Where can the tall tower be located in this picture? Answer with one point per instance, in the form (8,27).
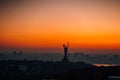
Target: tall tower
(65,58)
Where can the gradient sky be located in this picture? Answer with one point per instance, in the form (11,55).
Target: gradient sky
(47,24)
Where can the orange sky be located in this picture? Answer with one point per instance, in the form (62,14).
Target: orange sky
(89,24)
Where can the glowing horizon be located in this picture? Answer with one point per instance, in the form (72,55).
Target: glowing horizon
(85,24)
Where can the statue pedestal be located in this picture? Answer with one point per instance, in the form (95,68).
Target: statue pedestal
(65,59)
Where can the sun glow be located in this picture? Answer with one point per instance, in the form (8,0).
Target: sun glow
(84,25)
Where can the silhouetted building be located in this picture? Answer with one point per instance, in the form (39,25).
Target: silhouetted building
(20,52)
(65,58)
(14,52)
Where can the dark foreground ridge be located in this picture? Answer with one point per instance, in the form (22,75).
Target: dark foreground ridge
(40,70)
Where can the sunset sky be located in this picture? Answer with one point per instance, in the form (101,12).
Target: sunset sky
(47,24)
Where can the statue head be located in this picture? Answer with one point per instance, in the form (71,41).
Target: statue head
(63,45)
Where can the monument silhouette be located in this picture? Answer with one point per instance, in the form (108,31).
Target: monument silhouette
(65,58)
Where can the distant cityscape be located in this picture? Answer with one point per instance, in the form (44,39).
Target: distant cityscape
(19,66)
(74,57)
(66,66)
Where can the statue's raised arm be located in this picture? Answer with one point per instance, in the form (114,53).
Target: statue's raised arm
(67,44)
